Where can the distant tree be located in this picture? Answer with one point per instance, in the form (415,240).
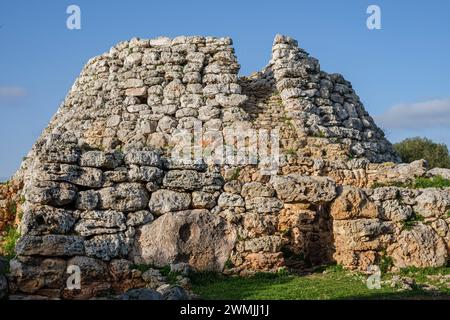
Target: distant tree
(413,149)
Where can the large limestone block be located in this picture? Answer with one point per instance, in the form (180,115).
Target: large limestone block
(439,172)
(106,246)
(163,201)
(51,193)
(143,158)
(40,220)
(433,202)
(100,159)
(100,222)
(362,234)
(298,188)
(263,205)
(82,176)
(50,245)
(125,197)
(420,247)
(184,180)
(352,203)
(196,237)
(33,275)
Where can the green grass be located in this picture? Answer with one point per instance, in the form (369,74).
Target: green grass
(165,271)
(420,273)
(418,183)
(291,152)
(435,182)
(235,175)
(9,242)
(412,221)
(334,283)
(12,209)
(170,275)
(386,263)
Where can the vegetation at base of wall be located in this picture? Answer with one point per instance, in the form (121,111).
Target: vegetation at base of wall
(170,275)
(141,267)
(413,149)
(424,272)
(229,265)
(386,263)
(326,283)
(165,271)
(418,183)
(9,242)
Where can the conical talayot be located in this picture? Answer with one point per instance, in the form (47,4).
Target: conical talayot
(161,155)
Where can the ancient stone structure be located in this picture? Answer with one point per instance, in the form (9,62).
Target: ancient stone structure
(104,190)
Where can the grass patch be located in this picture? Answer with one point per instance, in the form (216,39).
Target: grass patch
(386,263)
(170,275)
(435,182)
(141,267)
(412,221)
(417,273)
(236,173)
(291,152)
(9,242)
(165,271)
(12,209)
(418,183)
(335,283)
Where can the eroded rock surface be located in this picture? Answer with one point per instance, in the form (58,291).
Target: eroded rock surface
(196,237)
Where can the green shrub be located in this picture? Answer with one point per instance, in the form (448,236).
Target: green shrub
(413,149)
(435,182)
(282,272)
(419,183)
(386,263)
(229,264)
(9,242)
(12,209)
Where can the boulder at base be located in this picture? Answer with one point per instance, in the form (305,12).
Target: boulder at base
(196,237)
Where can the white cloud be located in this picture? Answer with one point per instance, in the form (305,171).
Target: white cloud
(11,92)
(416,116)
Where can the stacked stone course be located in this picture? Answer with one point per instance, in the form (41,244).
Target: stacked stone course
(103,192)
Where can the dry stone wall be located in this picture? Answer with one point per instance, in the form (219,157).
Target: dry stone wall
(103,190)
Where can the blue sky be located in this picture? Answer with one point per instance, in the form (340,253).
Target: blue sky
(402,72)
